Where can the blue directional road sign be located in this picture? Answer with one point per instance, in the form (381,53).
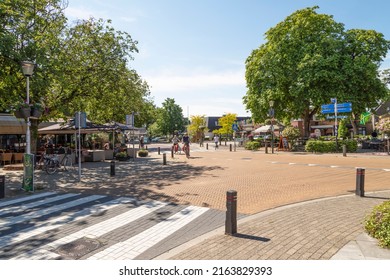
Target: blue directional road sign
(235,127)
(341,108)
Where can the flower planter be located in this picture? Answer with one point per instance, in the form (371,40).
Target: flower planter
(23,113)
(36,113)
(121,158)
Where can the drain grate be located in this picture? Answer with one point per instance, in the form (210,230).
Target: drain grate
(78,248)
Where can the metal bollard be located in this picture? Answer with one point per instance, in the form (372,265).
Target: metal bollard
(344,150)
(164,158)
(2,186)
(266,148)
(207,146)
(172,153)
(230,147)
(360,173)
(231,213)
(158,150)
(112,168)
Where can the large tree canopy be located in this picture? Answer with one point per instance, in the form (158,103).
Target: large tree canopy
(84,66)
(309,58)
(170,118)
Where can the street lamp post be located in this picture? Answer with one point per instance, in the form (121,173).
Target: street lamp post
(272,114)
(28,165)
(28,69)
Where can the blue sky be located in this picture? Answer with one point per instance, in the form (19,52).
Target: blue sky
(195,50)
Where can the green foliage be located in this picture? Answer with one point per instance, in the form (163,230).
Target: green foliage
(377,224)
(252,145)
(143,153)
(342,130)
(309,58)
(318,146)
(292,133)
(226,123)
(121,155)
(197,126)
(170,117)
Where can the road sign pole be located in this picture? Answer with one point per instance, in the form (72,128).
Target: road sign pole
(336,123)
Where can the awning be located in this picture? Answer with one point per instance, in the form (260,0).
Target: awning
(265,128)
(325,126)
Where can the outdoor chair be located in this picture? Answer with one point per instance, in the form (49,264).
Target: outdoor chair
(18,157)
(5,157)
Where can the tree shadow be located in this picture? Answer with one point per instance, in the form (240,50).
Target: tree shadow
(143,179)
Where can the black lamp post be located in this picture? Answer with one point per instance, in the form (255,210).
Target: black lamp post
(272,115)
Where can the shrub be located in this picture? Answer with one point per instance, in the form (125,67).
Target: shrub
(143,153)
(252,145)
(121,155)
(317,146)
(377,224)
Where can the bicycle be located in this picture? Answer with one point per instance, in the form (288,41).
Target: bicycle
(176,148)
(51,163)
(186,149)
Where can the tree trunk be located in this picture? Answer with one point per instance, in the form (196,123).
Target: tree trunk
(306,123)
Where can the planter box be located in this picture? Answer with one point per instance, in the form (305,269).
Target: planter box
(23,113)
(36,113)
(108,154)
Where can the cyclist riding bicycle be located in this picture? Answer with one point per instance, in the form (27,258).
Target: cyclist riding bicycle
(175,141)
(186,146)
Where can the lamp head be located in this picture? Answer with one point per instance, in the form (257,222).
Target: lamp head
(27,68)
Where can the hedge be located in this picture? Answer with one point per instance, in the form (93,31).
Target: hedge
(252,145)
(377,224)
(317,146)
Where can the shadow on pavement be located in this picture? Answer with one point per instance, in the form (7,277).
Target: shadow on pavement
(144,178)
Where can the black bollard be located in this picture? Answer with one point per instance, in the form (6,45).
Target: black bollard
(158,150)
(207,146)
(231,213)
(112,168)
(266,148)
(172,153)
(360,173)
(2,186)
(230,147)
(164,158)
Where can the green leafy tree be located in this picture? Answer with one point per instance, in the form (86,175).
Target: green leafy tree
(197,126)
(226,123)
(170,117)
(309,58)
(342,128)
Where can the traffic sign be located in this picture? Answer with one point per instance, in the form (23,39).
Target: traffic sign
(327,111)
(344,110)
(341,108)
(235,127)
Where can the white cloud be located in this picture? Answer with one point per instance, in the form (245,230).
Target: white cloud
(82,13)
(167,82)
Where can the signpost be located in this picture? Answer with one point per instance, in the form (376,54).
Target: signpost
(235,129)
(336,108)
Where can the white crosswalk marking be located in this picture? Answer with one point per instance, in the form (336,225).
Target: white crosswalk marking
(94,231)
(21,208)
(138,244)
(48,222)
(26,198)
(46,211)
(42,227)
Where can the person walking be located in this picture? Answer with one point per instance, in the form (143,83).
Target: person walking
(216,140)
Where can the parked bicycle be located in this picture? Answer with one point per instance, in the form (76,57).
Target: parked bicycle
(52,163)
